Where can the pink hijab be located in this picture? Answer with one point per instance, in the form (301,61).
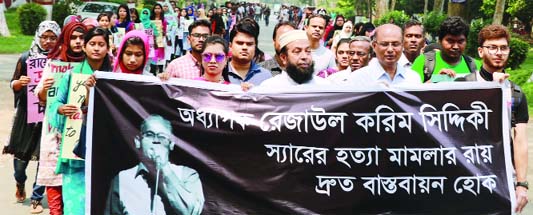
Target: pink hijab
(118,61)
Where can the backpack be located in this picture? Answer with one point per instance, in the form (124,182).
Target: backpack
(429,64)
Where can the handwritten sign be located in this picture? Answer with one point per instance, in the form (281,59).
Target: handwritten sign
(119,36)
(159,38)
(150,34)
(71,131)
(35,68)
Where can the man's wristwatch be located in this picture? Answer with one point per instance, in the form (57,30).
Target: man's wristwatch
(522,184)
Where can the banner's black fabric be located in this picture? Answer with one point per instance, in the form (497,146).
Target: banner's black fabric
(248,165)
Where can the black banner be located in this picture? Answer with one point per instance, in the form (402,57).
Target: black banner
(439,149)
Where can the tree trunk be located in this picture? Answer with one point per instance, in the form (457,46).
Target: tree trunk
(382,7)
(438,5)
(369,10)
(457,9)
(392,4)
(4,31)
(498,12)
(426,2)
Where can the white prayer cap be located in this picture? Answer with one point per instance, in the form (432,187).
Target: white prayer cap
(291,36)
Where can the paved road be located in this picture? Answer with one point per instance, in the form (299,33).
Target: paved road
(7,184)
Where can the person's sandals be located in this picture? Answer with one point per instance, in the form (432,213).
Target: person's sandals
(36,207)
(20,194)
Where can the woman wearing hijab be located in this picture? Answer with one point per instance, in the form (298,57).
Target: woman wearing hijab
(96,47)
(132,53)
(171,19)
(345,33)
(25,137)
(69,48)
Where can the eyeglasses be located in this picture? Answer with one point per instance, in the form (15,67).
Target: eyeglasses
(198,35)
(159,137)
(387,44)
(51,39)
(219,57)
(494,49)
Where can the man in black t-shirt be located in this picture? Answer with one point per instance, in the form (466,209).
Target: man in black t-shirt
(494,51)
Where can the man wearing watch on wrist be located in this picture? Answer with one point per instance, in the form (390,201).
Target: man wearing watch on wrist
(494,51)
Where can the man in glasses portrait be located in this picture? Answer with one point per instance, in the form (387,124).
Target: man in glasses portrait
(188,66)
(155,186)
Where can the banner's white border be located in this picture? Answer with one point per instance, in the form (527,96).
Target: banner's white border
(506,113)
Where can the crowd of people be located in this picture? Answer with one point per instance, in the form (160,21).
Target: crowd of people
(221,46)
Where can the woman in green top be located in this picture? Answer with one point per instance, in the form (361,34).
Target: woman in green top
(96,49)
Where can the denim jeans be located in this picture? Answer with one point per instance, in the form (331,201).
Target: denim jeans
(20,176)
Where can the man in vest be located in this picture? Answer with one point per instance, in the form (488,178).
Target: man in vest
(449,62)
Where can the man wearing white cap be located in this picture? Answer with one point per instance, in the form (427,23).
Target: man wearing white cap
(296,55)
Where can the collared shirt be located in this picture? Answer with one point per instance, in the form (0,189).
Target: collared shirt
(284,80)
(256,74)
(186,67)
(374,73)
(405,62)
(272,65)
(130,193)
(323,59)
(340,76)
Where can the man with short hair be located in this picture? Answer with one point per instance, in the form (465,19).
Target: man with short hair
(275,65)
(323,58)
(155,185)
(413,42)
(360,52)
(387,45)
(494,51)
(295,53)
(243,45)
(449,62)
(188,66)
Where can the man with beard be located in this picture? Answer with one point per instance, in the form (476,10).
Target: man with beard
(274,65)
(296,55)
(387,45)
(188,66)
(449,62)
(360,56)
(413,42)
(323,57)
(494,51)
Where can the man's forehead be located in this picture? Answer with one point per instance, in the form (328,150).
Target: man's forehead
(155,126)
(496,41)
(360,45)
(298,44)
(413,29)
(200,29)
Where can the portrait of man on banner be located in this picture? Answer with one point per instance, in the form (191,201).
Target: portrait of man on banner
(155,185)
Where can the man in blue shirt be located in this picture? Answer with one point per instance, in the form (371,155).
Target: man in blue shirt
(243,44)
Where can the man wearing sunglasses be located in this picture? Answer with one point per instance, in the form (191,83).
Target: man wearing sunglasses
(188,66)
(494,51)
(155,186)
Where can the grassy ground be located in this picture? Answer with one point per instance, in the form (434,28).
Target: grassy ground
(17,42)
